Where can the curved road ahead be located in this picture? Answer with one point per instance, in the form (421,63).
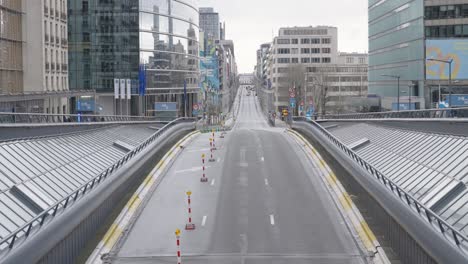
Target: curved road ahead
(260,205)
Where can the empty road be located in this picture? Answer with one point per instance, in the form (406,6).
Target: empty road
(262,204)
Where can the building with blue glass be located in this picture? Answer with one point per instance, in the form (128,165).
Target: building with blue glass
(396,51)
(118,39)
(416,46)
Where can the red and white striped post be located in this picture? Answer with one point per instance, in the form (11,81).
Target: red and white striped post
(204,178)
(179,257)
(214,142)
(211,143)
(212,159)
(189,225)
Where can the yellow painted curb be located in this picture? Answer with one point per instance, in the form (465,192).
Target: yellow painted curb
(116,230)
(359,224)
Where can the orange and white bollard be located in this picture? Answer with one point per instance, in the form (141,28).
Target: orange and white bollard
(179,257)
(203,178)
(189,225)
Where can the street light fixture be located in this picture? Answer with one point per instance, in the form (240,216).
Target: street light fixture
(449,62)
(398,77)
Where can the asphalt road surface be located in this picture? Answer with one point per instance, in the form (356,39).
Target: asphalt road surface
(262,204)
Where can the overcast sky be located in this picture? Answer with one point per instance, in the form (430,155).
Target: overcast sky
(253,22)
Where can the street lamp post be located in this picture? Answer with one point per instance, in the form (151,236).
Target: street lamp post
(449,62)
(398,81)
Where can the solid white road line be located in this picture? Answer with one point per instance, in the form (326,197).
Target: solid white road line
(213,182)
(204,220)
(272,220)
(194,169)
(266,182)
(198,150)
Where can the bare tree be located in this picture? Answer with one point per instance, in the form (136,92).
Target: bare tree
(320,81)
(295,76)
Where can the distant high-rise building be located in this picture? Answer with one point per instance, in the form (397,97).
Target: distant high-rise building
(209,23)
(33,53)
(154,41)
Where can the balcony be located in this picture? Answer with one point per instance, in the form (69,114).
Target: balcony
(47,67)
(57,40)
(64,67)
(52,12)
(46,11)
(46,38)
(57,16)
(63,16)
(53,67)
(64,42)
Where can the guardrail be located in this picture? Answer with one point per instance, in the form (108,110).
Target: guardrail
(431,113)
(35,118)
(33,226)
(449,232)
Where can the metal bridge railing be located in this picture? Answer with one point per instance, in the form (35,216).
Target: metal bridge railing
(37,118)
(58,208)
(431,113)
(450,233)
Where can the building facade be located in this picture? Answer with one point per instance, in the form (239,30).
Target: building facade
(292,51)
(151,44)
(261,67)
(446,33)
(306,73)
(11,50)
(396,50)
(228,75)
(34,54)
(341,87)
(403,38)
(210,23)
(46,70)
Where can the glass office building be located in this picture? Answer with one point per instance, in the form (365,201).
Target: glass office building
(118,39)
(397,49)
(209,23)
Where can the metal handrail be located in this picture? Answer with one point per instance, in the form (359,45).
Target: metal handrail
(58,208)
(429,113)
(426,213)
(39,118)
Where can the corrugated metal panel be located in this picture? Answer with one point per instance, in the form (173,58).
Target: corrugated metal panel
(36,173)
(425,165)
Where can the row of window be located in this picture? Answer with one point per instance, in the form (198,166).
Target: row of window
(303,60)
(304,51)
(56,83)
(56,36)
(303,41)
(446,11)
(346,88)
(449,31)
(56,7)
(361,69)
(350,60)
(57,61)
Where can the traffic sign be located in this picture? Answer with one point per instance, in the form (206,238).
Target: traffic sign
(292,102)
(195,107)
